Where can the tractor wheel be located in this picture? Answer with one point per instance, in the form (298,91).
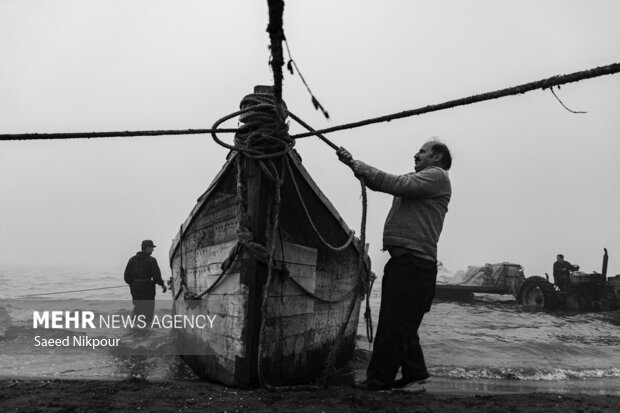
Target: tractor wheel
(537,292)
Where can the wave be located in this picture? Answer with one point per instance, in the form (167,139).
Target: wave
(522,373)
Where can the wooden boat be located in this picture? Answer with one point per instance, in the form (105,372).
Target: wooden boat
(313,288)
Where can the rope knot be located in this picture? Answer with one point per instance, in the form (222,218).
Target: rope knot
(264,132)
(193,299)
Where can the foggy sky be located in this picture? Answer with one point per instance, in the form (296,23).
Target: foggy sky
(530,179)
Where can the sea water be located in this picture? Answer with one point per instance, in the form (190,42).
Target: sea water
(491,338)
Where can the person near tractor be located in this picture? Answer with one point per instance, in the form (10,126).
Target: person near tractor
(561,271)
(141,274)
(410,235)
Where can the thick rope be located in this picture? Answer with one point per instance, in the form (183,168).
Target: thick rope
(224,271)
(264,138)
(314,132)
(122,134)
(270,264)
(261,137)
(516,90)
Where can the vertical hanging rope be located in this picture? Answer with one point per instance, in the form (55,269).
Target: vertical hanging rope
(275,226)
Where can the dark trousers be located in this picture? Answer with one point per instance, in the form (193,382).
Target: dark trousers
(408,289)
(143,295)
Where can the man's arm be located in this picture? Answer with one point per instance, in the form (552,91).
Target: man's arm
(157,276)
(418,185)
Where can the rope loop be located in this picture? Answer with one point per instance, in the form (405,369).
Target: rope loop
(264,132)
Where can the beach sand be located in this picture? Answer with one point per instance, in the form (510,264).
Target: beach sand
(141,395)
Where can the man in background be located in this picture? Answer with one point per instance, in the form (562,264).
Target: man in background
(142,273)
(410,235)
(561,271)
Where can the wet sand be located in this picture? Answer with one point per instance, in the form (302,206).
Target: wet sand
(142,395)
(34,394)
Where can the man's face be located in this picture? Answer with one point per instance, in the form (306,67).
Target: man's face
(149,250)
(560,259)
(425,157)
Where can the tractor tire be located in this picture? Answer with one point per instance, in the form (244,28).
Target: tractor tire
(536,292)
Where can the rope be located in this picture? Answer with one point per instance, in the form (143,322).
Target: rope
(88,135)
(563,105)
(274,229)
(305,208)
(291,63)
(262,136)
(516,90)
(225,266)
(321,299)
(361,287)
(314,132)
(71,291)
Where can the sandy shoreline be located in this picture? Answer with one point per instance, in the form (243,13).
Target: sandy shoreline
(129,395)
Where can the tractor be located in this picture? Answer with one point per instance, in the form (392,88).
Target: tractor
(579,291)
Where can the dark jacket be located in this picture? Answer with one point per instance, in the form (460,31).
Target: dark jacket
(563,268)
(143,267)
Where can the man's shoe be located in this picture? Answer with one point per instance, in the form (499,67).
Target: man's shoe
(371,386)
(411,388)
(402,382)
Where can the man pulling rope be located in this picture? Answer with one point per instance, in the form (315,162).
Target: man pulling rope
(410,235)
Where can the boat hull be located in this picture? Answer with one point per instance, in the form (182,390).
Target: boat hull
(273,327)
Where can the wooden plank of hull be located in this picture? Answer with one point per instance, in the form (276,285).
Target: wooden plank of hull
(307,364)
(207,239)
(317,328)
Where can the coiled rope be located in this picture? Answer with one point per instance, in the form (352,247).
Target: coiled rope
(261,136)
